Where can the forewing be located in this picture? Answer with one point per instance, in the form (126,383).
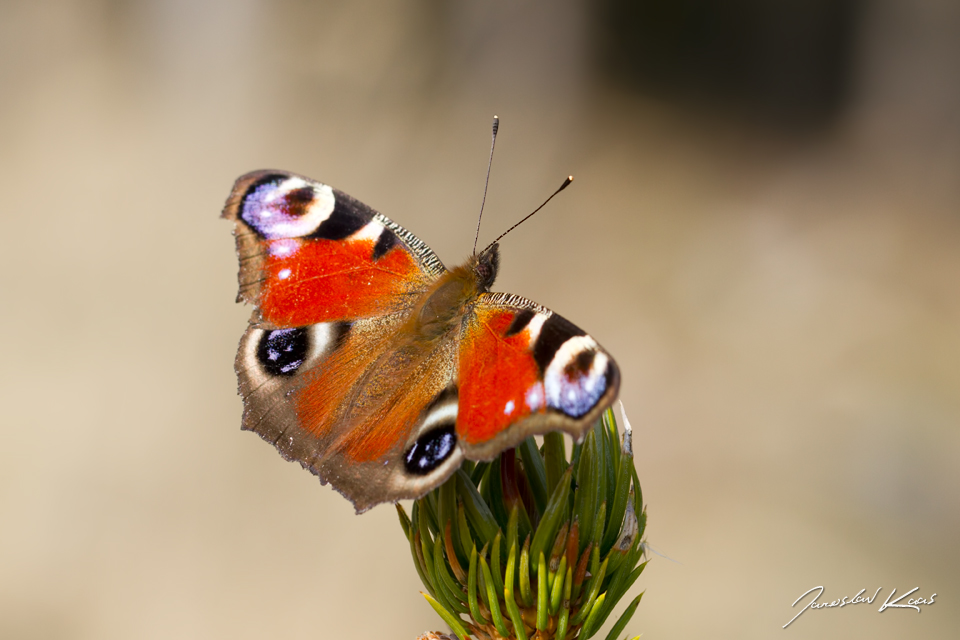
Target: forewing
(312,254)
(524,370)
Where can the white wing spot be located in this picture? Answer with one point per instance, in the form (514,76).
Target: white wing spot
(508,409)
(284,274)
(283,248)
(369,231)
(534,326)
(535,397)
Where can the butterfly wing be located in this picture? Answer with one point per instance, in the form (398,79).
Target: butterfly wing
(354,403)
(323,369)
(524,370)
(331,373)
(310,253)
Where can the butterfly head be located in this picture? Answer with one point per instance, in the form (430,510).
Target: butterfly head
(487,265)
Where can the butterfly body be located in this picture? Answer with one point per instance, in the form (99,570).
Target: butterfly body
(374,366)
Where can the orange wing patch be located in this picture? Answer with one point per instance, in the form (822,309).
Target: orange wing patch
(500,383)
(311,254)
(368,397)
(385,431)
(309,280)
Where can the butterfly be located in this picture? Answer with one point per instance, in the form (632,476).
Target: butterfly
(377,368)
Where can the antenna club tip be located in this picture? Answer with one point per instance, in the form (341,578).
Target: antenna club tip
(566,183)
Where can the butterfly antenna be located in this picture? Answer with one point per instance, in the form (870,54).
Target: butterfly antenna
(565,184)
(493,143)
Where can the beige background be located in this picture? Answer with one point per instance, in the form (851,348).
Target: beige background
(784,307)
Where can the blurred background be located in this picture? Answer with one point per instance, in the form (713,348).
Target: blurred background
(764,230)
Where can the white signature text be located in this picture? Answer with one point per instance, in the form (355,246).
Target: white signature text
(889,603)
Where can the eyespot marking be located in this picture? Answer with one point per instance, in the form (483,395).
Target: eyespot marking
(580,365)
(430,450)
(278,206)
(282,351)
(326,337)
(577,376)
(299,197)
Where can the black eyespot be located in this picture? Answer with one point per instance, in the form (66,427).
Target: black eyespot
(282,351)
(430,450)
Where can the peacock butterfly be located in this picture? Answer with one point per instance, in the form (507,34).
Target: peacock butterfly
(378,369)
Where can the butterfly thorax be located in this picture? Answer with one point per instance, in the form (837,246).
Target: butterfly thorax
(443,305)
